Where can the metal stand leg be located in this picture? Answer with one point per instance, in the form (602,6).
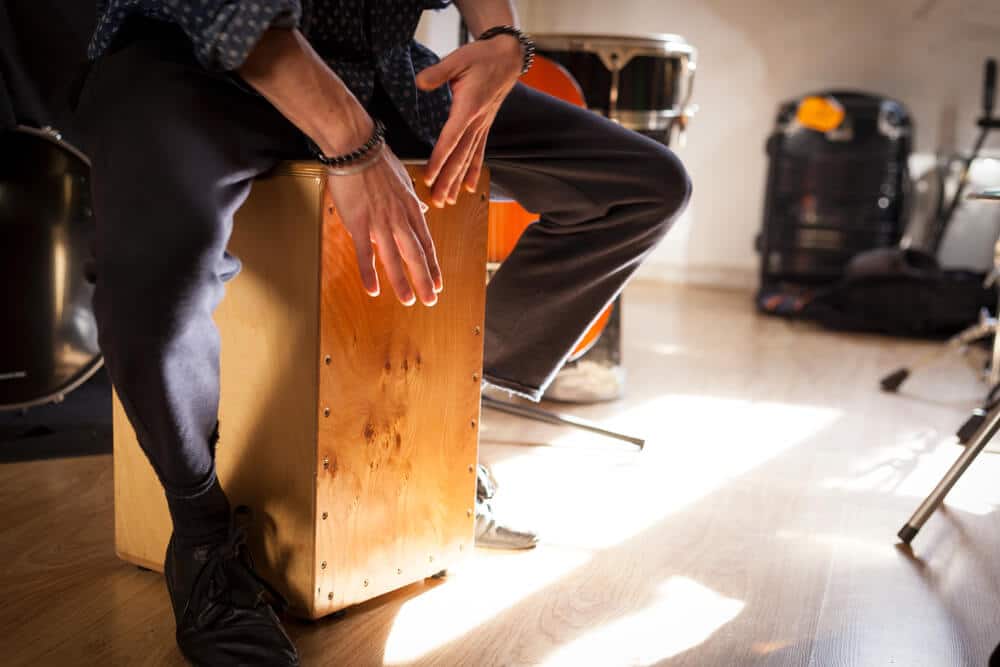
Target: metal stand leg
(991,424)
(937,496)
(552,418)
(986,326)
(979,415)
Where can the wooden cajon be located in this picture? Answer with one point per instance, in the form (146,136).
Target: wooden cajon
(349,423)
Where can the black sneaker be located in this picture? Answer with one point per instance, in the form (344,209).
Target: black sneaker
(226,614)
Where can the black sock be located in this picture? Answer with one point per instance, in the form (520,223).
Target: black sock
(201,519)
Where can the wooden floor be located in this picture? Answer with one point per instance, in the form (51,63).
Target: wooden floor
(757,528)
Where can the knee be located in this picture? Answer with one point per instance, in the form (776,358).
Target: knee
(669,183)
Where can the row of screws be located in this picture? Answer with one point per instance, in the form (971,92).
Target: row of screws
(475,376)
(327,360)
(430,559)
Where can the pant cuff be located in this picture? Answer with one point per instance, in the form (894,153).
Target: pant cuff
(513,387)
(192,492)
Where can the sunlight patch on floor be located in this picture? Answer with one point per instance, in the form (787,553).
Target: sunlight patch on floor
(612,495)
(912,467)
(683,614)
(699,444)
(870,550)
(483,588)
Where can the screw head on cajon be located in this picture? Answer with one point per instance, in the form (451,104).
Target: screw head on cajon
(345,419)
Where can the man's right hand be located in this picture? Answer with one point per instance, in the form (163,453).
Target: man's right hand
(379,206)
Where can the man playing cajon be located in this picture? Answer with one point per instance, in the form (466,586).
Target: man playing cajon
(189,100)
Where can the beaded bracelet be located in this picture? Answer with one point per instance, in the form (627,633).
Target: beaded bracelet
(527,44)
(352,162)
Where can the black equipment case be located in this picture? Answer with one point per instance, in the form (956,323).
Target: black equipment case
(832,194)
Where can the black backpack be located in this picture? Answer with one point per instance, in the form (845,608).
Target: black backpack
(891,291)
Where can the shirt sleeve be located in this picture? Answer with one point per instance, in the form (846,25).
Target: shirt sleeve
(225,31)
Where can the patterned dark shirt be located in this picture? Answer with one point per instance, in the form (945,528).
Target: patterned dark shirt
(359,39)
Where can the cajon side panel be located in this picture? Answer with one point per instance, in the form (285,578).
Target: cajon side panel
(142,522)
(270,365)
(269,328)
(397,455)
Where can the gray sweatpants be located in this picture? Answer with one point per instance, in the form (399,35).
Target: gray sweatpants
(174,151)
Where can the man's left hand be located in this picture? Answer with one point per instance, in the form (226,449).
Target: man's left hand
(481,75)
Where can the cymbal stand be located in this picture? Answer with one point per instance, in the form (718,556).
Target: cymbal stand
(989,421)
(986,326)
(960,342)
(978,443)
(977,431)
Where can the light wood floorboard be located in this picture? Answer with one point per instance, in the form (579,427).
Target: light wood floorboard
(757,528)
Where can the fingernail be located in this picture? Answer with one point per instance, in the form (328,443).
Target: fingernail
(452,200)
(438,203)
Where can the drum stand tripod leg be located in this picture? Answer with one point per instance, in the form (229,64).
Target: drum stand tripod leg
(553,418)
(937,496)
(959,343)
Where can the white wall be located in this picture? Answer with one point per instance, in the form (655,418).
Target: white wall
(439,30)
(754,54)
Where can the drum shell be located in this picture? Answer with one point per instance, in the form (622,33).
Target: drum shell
(48,341)
(647,82)
(643,83)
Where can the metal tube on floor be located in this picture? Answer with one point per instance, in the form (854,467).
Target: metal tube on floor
(553,418)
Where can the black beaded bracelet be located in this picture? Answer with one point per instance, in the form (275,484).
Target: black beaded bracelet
(527,44)
(355,156)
